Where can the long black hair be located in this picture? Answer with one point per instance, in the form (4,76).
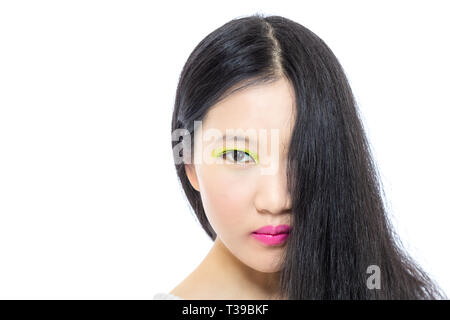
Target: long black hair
(339,221)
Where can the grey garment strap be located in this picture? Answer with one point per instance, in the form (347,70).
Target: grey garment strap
(165,296)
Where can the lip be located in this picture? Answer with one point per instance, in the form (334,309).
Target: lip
(270,239)
(272,235)
(282,228)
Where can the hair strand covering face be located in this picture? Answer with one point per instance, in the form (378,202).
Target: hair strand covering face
(340,224)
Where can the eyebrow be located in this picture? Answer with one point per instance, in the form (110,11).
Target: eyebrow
(234,137)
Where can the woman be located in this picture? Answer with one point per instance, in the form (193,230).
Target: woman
(296,214)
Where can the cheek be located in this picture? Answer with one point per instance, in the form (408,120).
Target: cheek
(227,198)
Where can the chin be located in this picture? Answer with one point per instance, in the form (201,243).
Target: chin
(269,268)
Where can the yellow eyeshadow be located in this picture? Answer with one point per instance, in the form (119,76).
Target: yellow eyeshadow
(219,151)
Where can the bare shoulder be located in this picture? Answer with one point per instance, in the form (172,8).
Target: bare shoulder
(185,289)
(194,287)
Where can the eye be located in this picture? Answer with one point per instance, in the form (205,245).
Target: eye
(237,156)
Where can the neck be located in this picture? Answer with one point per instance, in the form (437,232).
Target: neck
(229,278)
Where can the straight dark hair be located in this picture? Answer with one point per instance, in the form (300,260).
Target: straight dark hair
(339,224)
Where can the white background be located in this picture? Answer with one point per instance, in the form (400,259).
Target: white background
(90,205)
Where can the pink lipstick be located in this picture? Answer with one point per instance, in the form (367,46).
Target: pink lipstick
(272,235)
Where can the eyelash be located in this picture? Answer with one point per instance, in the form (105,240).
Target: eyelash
(224,154)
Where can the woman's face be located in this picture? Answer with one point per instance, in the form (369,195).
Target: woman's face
(248,189)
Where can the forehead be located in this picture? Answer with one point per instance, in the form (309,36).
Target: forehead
(264,106)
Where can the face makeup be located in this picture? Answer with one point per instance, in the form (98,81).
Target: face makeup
(224,152)
(233,187)
(272,235)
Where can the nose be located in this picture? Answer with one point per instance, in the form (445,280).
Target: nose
(272,193)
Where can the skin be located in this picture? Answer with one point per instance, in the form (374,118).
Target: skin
(238,199)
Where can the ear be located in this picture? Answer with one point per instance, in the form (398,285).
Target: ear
(192,175)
